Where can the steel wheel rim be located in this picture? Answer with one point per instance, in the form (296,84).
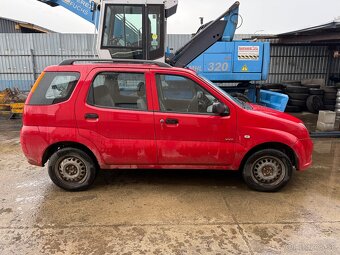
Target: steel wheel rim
(268,170)
(72,169)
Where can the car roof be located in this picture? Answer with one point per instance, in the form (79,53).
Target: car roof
(73,66)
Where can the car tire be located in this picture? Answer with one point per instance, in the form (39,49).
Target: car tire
(72,169)
(314,104)
(330,89)
(294,102)
(329,107)
(329,96)
(312,86)
(297,89)
(297,96)
(294,83)
(270,86)
(267,170)
(318,92)
(290,108)
(329,102)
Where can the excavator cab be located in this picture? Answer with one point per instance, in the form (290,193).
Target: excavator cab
(127,29)
(132,31)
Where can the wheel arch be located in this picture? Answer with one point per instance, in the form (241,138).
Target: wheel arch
(272,145)
(67,144)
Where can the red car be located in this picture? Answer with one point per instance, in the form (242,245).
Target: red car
(148,115)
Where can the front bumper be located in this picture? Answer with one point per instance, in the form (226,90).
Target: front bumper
(304,151)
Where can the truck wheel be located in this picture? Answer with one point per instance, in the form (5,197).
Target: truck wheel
(267,170)
(71,169)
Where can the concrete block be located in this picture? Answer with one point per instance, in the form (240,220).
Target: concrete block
(324,126)
(327,117)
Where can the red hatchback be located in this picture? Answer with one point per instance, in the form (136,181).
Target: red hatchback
(148,115)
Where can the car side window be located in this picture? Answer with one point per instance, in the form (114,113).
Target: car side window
(54,87)
(118,90)
(180,94)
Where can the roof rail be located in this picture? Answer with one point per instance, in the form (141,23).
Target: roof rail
(128,61)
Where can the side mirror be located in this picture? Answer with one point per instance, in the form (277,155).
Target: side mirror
(220,109)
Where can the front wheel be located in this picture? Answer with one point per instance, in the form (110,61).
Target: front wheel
(71,169)
(267,170)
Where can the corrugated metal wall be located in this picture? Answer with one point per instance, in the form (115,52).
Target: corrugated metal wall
(24,56)
(7,26)
(302,62)
(176,41)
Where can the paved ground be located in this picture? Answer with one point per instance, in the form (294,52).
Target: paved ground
(167,212)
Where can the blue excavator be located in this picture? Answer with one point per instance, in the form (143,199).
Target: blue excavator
(136,29)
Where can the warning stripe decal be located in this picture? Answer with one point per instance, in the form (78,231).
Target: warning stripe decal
(248,57)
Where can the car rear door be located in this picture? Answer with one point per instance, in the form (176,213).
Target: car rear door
(113,112)
(188,133)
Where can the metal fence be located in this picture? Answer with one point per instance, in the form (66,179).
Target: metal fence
(24,56)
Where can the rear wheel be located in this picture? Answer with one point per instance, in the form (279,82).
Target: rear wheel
(267,170)
(71,169)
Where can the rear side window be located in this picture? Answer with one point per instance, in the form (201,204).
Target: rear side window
(119,90)
(54,87)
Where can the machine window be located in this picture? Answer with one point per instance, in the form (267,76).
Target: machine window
(155,31)
(134,31)
(123,31)
(180,94)
(119,90)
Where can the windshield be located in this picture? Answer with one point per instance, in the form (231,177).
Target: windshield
(234,99)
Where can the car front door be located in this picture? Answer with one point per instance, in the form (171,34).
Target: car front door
(187,132)
(115,113)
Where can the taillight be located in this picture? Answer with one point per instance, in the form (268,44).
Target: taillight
(37,82)
(35,85)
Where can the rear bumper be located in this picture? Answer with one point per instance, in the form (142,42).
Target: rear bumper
(304,151)
(32,144)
